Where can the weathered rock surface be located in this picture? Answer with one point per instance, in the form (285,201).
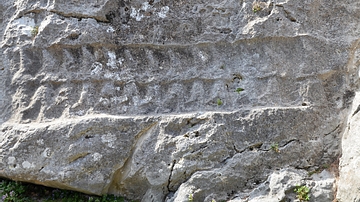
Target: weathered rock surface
(348,184)
(281,185)
(158,100)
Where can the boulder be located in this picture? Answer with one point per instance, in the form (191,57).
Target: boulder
(165,100)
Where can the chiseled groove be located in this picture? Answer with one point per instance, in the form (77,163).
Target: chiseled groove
(76,157)
(185,45)
(122,171)
(156,116)
(64,15)
(78,16)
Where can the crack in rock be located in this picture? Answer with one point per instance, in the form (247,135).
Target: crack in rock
(171,172)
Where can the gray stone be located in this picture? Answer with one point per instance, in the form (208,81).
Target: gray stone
(323,186)
(281,185)
(348,180)
(158,100)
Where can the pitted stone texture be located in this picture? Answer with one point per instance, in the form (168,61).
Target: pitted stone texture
(154,157)
(78,154)
(7,9)
(205,153)
(173,96)
(281,185)
(76,66)
(54,83)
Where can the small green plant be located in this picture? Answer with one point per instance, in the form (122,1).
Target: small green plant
(191,198)
(256,7)
(34,31)
(302,193)
(219,102)
(238,90)
(11,191)
(313,172)
(325,166)
(319,170)
(275,147)
(222,67)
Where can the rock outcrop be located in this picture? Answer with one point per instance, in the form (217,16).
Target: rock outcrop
(161,100)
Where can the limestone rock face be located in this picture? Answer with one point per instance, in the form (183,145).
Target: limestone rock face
(160,100)
(281,184)
(349,164)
